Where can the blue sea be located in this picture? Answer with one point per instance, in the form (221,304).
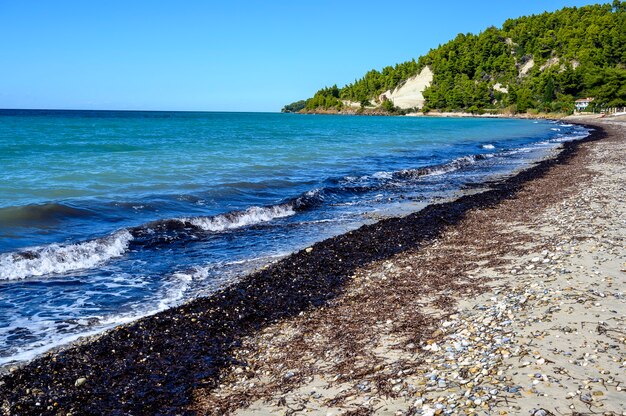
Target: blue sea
(108,216)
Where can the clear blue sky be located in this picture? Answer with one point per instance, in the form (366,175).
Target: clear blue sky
(212,56)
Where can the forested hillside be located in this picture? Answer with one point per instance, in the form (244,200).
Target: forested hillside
(541,62)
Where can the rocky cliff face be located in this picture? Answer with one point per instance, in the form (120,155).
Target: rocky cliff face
(410,93)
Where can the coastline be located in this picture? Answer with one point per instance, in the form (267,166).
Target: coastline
(577,118)
(153,356)
(532,334)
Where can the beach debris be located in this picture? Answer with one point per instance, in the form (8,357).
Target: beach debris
(356,306)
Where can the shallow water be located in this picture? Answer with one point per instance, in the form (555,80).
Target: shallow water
(108,216)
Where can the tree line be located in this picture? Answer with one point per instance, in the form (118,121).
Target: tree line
(541,62)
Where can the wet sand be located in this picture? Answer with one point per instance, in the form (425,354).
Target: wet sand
(351,325)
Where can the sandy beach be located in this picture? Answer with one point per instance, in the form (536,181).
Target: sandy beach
(518,309)
(216,210)
(507,300)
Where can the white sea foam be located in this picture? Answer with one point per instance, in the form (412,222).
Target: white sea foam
(175,288)
(26,354)
(456,164)
(175,291)
(382,175)
(451,166)
(57,258)
(570,138)
(173,294)
(251,216)
(488,146)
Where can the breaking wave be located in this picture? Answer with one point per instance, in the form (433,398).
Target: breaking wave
(238,219)
(57,258)
(455,164)
(63,258)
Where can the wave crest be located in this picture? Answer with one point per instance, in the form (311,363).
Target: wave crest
(238,219)
(455,164)
(57,258)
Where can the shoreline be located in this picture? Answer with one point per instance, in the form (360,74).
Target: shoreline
(153,356)
(577,117)
(527,318)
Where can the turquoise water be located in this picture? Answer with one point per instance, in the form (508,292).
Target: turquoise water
(107,216)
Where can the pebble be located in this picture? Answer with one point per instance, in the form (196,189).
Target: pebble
(586,397)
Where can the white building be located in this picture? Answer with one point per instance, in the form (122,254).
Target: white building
(582,103)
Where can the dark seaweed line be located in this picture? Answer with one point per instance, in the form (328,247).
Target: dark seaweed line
(152,365)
